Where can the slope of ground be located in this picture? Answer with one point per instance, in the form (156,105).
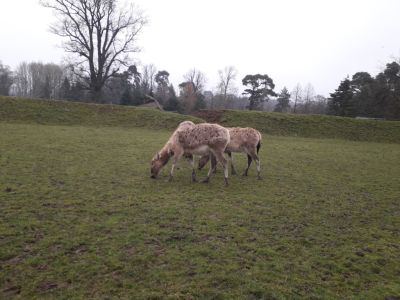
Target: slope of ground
(19,110)
(315,126)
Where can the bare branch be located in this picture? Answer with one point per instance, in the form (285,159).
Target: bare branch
(98,32)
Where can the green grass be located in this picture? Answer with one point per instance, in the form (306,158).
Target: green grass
(314,126)
(50,112)
(80,218)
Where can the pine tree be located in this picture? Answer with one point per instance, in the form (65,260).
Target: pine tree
(341,102)
(283,101)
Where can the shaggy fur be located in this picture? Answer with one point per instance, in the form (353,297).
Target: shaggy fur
(202,139)
(246,140)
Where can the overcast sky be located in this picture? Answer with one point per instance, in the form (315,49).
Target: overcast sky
(317,42)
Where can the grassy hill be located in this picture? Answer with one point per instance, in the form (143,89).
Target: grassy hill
(314,126)
(50,112)
(18,110)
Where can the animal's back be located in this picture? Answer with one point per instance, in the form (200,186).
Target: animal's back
(211,135)
(242,138)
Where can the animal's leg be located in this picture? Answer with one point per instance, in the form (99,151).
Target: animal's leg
(233,171)
(175,159)
(193,167)
(249,160)
(214,163)
(213,166)
(222,160)
(254,156)
(203,161)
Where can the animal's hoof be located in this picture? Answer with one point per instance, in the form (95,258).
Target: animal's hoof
(194,180)
(226,182)
(244,174)
(170,179)
(259,177)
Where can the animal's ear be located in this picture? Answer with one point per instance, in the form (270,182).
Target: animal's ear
(158,155)
(170,152)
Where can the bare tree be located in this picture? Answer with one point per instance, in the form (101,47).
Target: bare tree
(38,80)
(308,97)
(296,96)
(148,78)
(22,80)
(99,34)
(197,78)
(191,90)
(227,77)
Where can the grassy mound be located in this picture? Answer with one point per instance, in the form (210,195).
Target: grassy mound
(50,112)
(314,126)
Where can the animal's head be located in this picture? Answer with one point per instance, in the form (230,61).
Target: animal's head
(159,161)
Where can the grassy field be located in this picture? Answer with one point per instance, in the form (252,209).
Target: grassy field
(80,218)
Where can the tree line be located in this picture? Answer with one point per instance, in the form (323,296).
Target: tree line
(362,95)
(365,96)
(139,85)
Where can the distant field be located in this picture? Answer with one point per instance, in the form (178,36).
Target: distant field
(80,218)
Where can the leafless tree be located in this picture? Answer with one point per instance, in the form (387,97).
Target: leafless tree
(308,97)
(296,96)
(197,78)
(227,78)
(148,78)
(38,80)
(99,34)
(22,80)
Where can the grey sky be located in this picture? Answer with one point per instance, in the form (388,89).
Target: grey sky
(317,42)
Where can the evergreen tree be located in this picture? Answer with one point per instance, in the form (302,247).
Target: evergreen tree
(283,101)
(341,102)
(126,97)
(172,102)
(65,89)
(6,79)
(362,85)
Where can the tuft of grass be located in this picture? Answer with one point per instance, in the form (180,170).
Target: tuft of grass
(55,112)
(80,218)
(313,126)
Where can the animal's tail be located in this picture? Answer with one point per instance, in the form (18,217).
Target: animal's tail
(259,142)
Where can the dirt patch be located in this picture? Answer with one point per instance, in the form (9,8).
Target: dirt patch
(45,286)
(14,260)
(11,291)
(77,250)
(211,116)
